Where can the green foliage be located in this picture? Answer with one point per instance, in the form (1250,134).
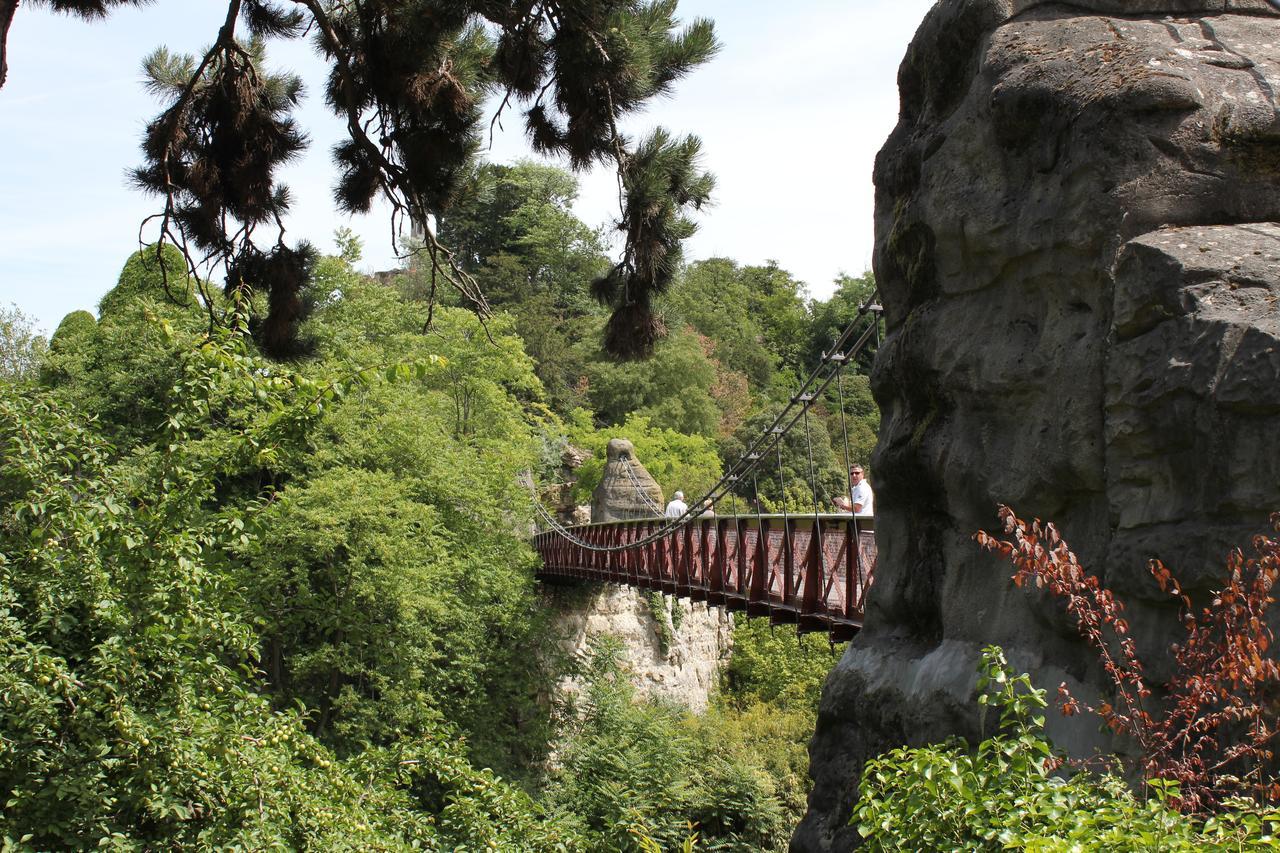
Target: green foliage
(390,571)
(772,738)
(776,665)
(663,613)
(784,476)
(123,369)
(630,769)
(21,346)
(673,389)
(310,616)
(853,436)
(155,273)
(677,461)
(513,228)
(767,706)
(716,298)
(756,317)
(830,318)
(74,327)
(1004,795)
(131,715)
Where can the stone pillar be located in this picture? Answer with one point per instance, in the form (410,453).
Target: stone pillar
(1080,267)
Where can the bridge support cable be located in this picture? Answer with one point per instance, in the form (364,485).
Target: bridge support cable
(639,487)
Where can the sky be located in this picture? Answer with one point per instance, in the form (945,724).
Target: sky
(791,113)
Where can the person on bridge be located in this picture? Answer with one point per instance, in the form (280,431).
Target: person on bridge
(861,500)
(677,507)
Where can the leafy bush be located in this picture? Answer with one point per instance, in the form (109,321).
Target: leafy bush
(21,346)
(1004,795)
(777,666)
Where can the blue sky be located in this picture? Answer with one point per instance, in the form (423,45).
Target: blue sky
(791,114)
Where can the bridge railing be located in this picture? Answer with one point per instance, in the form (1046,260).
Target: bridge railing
(810,570)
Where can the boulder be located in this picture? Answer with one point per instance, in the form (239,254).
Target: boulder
(1078,256)
(626,490)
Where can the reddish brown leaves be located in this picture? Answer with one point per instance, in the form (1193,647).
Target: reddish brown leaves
(1211,731)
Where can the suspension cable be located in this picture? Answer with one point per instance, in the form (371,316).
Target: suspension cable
(844,429)
(639,487)
(813,477)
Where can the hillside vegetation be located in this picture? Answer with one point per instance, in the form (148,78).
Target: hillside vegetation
(280,605)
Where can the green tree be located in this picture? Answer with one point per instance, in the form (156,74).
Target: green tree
(853,436)
(631,770)
(391,570)
(21,346)
(807,462)
(713,297)
(756,315)
(122,368)
(672,389)
(387,573)
(132,715)
(514,230)
(776,666)
(73,327)
(153,273)
(780,301)
(831,317)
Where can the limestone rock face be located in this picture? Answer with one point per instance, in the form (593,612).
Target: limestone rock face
(1078,255)
(686,672)
(626,489)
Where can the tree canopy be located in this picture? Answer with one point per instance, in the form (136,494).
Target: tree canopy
(266,605)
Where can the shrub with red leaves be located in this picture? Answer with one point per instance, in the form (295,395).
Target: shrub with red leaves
(1211,730)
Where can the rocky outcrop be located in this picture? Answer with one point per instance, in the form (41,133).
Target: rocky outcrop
(1079,262)
(626,490)
(567,510)
(684,669)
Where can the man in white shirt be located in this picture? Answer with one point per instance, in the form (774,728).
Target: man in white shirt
(863,499)
(677,507)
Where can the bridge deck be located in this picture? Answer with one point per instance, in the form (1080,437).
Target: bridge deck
(797,569)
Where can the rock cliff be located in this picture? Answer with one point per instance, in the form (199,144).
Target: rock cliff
(1078,255)
(684,669)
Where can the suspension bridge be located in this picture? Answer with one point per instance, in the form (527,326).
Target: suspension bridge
(812,569)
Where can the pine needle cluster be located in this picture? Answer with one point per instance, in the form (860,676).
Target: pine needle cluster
(410,79)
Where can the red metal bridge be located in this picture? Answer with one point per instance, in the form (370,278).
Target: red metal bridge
(798,569)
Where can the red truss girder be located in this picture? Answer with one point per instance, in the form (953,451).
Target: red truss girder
(798,570)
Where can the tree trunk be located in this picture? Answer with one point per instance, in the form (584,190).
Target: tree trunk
(7,10)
